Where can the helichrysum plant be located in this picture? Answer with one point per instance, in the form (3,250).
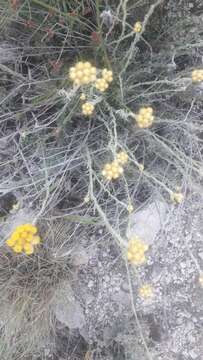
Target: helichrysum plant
(197,75)
(144,118)
(146,291)
(137,27)
(24,238)
(136,251)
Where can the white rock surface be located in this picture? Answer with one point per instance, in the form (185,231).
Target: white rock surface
(147,222)
(67,309)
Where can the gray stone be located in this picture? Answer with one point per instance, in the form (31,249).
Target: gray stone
(193,354)
(147,222)
(201,255)
(67,309)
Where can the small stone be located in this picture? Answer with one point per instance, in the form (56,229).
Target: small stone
(90,284)
(200,255)
(193,354)
(67,309)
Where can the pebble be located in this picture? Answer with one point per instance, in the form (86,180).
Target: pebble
(90,284)
(193,354)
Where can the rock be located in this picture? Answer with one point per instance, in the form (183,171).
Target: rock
(193,354)
(201,255)
(67,309)
(147,222)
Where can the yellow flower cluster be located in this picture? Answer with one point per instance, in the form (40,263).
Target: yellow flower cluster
(83,73)
(136,251)
(137,27)
(197,75)
(87,108)
(145,117)
(112,170)
(107,75)
(177,197)
(103,83)
(24,238)
(146,291)
(122,157)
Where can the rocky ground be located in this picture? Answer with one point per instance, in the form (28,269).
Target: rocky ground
(99,315)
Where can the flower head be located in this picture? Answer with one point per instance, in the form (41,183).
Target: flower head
(130,208)
(86,199)
(112,170)
(83,97)
(107,75)
(177,197)
(145,117)
(87,109)
(122,157)
(136,251)
(23,239)
(82,73)
(101,84)
(146,291)
(137,27)
(141,167)
(197,75)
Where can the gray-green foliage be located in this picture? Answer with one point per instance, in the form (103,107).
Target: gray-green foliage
(52,157)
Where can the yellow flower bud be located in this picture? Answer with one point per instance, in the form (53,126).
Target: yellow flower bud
(137,27)
(197,75)
(29,249)
(101,85)
(136,251)
(146,291)
(83,73)
(87,109)
(144,118)
(122,157)
(177,197)
(82,97)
